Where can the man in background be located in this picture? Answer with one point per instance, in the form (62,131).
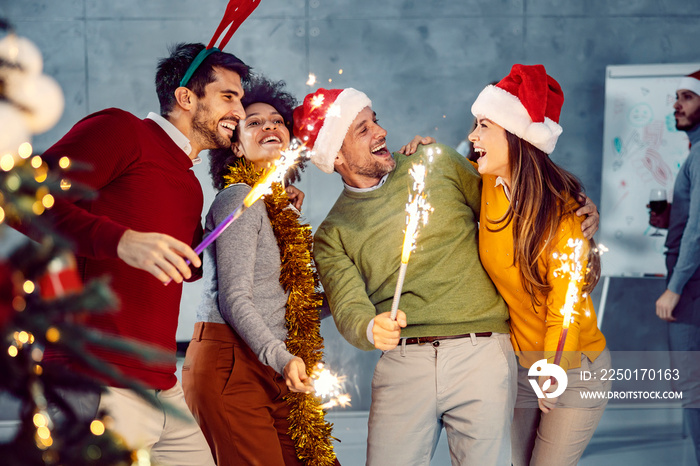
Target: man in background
(680,303)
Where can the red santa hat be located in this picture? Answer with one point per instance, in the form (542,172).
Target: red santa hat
(323,119)
(526,103)
(691,82)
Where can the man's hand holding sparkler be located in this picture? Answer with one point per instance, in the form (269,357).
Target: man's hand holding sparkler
(386,331)
(158,254)
(296,378)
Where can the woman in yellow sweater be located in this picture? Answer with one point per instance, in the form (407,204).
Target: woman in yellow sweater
(532,246)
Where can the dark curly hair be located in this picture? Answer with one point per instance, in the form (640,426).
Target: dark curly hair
(258,89)
(171,70)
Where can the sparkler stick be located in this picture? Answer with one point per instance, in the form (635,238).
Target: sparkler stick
(568,310)
(417,211)
(288,158)
(397,291)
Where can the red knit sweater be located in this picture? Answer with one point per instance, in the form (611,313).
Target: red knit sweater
(143,182)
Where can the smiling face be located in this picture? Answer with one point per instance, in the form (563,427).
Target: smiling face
(217,113)
(363,158)
(491,145)
(687,110)
(261,135)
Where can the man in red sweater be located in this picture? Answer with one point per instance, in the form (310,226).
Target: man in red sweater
(140,228)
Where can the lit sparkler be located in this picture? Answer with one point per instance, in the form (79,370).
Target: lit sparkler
(312,80)
(317,101)
(417,211)
(571,266)
(288,158)
(329,386)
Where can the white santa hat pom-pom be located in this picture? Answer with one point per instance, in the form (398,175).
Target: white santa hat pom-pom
(543,135)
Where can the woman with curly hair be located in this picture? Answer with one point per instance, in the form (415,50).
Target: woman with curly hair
(245,375)
(532,245)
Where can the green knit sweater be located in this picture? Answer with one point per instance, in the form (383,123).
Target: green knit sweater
(446,291)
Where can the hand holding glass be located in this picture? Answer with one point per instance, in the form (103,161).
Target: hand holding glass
(658,204)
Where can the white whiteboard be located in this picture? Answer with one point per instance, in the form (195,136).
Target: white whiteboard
(641,150)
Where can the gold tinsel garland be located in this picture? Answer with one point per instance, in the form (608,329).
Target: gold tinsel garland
(307,426)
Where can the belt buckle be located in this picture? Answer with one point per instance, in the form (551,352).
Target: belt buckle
(420,343)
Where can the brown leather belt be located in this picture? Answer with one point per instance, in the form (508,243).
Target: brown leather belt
(423,340)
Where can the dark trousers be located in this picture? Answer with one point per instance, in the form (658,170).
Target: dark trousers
(684,342)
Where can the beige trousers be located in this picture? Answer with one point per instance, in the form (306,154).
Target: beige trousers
(465,385)
(558,438)
(172,440)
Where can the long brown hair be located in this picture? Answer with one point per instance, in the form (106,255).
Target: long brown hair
(541,194)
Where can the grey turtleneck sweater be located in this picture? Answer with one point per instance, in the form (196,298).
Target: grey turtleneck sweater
(241,278)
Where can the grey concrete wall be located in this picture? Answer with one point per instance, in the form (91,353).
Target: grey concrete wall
(421,62)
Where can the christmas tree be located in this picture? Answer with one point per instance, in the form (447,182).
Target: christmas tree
(42,300)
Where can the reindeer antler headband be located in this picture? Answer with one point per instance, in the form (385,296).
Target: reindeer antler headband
(236,13)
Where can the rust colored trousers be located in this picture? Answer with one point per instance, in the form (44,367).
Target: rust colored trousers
(237,400)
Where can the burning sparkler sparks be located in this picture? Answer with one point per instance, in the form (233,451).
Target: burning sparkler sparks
(601,249)
(312,80)
(317,101)
(288,159)
(571,266)
(417,211)
(329,386)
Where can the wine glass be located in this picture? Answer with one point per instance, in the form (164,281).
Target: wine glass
(658,204)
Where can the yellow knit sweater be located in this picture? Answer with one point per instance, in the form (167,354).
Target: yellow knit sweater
(535,330)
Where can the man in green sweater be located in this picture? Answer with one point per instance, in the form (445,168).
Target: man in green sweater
(447,359)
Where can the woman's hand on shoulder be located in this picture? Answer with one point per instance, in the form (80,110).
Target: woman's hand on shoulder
(590,225)
(296,196)
(412,147)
